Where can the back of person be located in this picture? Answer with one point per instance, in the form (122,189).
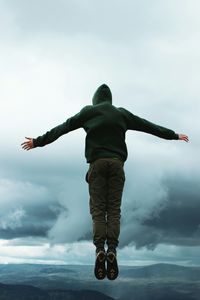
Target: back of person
(105,151)
(105,130)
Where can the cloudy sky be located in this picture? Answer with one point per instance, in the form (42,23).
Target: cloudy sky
(54,54)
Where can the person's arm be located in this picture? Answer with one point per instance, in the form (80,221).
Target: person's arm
(72,123)
(140,124)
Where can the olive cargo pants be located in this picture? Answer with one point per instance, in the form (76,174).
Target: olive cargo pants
(106,181)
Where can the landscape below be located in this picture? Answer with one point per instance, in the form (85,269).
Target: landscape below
(52,282)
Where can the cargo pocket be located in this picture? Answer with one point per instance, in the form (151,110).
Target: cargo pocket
(87,176)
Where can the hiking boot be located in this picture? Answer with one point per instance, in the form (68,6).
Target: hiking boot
(112,266)
(100,268)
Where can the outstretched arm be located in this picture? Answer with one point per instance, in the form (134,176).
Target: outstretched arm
(50,136)
(136,123)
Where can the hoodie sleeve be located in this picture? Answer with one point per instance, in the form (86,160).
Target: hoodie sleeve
(50,136)
(136,123)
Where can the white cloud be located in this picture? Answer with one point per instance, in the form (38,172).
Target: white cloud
(74,222)
(16,194)
(75,253)
(162,254)
(83,253)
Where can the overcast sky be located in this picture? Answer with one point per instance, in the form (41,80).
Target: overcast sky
(54,55)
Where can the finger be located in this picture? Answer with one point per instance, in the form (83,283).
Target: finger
(183,137)
(28,138)
(24,147)
(24,143)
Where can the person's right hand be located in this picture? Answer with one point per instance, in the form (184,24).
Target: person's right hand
(183,137)
(28,145)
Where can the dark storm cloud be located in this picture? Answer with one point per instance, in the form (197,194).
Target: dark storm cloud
(28,218)
(34,204)
(27,208)
(27,230)
(163,210)
(176,222)
(180,219)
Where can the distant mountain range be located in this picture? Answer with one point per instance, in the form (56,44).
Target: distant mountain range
(163,271)
(27,292)
(70,282)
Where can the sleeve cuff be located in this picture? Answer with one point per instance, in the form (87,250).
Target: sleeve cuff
(34,143)
(176,136)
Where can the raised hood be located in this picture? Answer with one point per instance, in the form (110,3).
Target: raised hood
(102,94)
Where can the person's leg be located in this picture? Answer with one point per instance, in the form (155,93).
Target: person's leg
(115,189)
(116,179)
(97,179)
(98,194)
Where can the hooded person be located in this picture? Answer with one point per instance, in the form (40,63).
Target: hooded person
(105,151)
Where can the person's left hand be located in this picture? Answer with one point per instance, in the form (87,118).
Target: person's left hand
(183,137)
(28,145)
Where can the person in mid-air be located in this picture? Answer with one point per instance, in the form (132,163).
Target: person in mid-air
(105,151)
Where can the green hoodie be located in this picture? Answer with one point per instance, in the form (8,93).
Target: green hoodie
(105,126)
